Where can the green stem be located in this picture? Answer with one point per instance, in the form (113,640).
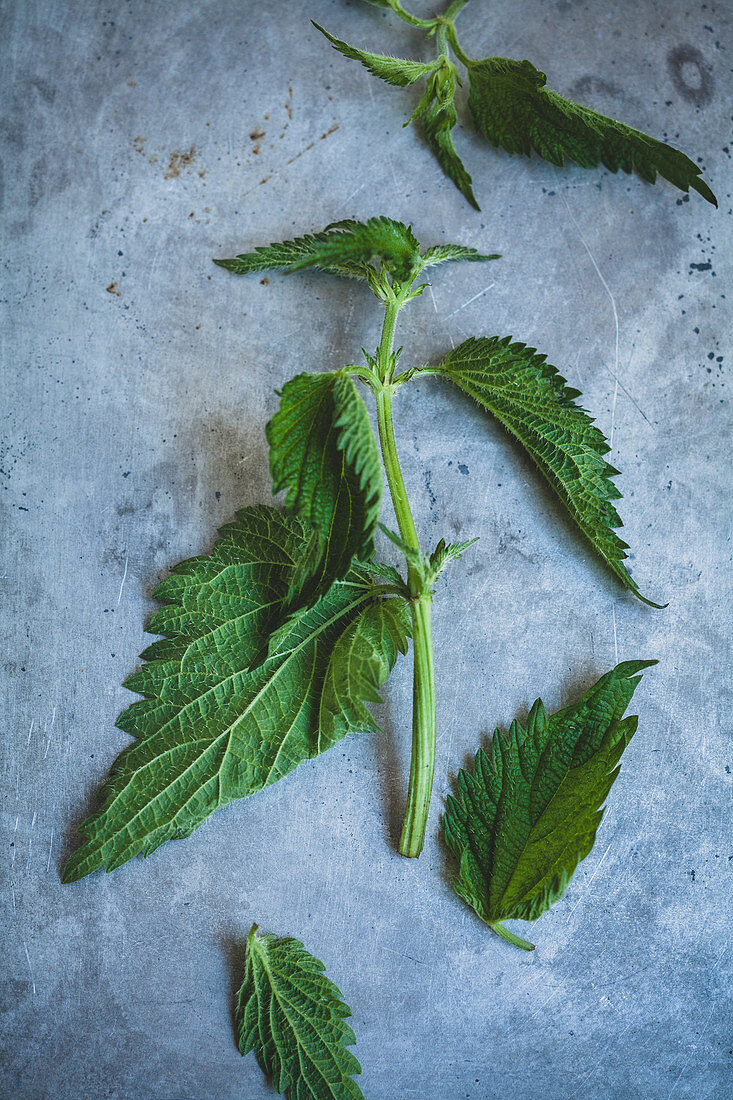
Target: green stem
(422,764)
(423,695)
(455,46)
(511,938)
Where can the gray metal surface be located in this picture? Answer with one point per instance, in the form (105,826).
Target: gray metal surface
(137,380)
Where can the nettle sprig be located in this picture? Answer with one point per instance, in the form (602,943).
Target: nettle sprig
(514,110)
(272,646)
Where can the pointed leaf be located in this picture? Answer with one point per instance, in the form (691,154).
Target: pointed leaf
(514,110)
(381,240)
(528,813)
(395,70)
(438,119)
(213,725)
(531,399)
(361,661)
(345,248)
(323,452)
(439,253)
(293,1017)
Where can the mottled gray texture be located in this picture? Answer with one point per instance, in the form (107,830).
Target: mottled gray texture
(137,380)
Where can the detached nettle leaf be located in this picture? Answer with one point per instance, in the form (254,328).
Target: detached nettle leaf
(323,452)
(394,70)
(438,116)
(225,711)
(293,1017)
(528,813)
(531,399)
(347,248)
(514,110)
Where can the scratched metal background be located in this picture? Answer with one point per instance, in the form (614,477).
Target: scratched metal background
(137,380)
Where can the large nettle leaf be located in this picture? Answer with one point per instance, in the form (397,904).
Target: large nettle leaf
(528,812)
(345,248)
(531,399)
(241,689)
(293,1017)
(323,452)
(514,110)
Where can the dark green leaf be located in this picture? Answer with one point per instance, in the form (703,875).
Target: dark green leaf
(323,452)
(533,402)
(395,70)
(292,1017)
(528,812)
(216,723)
(514,110)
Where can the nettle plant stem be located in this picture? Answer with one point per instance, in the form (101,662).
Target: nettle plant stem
(422,766)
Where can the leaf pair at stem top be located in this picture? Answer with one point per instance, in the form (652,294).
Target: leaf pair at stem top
(514,110)
(272,645)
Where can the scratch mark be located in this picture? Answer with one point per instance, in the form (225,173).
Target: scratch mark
(30,731)
(351,196)
(615,639)
(50,849)
(124,576)
(587,886)
(613,413)
(613,373)
(484,291)
(30,968)
(689,1057)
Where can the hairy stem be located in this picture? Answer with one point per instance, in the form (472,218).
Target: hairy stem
(423,695)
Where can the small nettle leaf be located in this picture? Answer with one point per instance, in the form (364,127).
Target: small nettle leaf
(381,239)
(361,661)
(226,711)
(440,253)
(293,1017)
(514,110)
(438,117)
(347,248)
(442,555)
(394,70)
(323,452)
(531,399)
(528,812)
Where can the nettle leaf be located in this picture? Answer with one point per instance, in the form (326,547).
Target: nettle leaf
(361,661)
(440,253)
(223,715)
(395,70)
(293,1018)
(531,399)
(528,812)
(345,248)
(323,452)
(438,116)
(514,110)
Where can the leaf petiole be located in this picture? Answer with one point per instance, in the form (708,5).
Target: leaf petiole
(505,934)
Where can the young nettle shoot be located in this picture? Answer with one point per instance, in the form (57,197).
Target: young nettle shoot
(274,643)
(514,110)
